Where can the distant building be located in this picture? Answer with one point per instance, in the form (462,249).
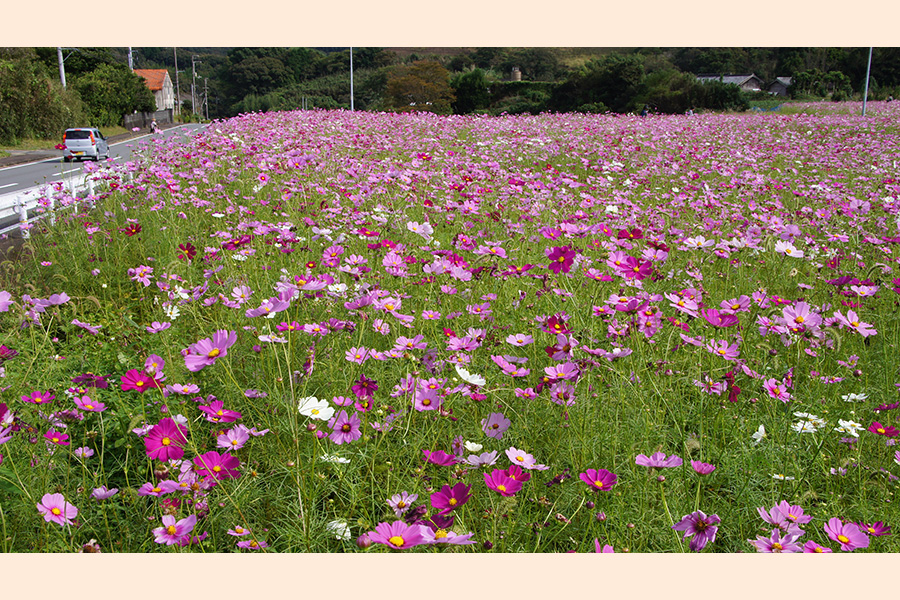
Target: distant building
(780,86)
(160,84)
(747,83)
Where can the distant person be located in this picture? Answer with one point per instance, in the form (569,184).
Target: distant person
(154,127)
(890,99)
(689,112)
(645,110)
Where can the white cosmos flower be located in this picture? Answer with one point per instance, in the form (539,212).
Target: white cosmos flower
(314,408)
(171,311)
(469,377)
(334,459)
(473,447)
(339,529)
(759,435)
(854,397)
(848,427)
(782,477)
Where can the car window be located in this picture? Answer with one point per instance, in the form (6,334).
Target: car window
(78,134)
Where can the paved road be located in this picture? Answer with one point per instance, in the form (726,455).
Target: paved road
(28,176)
(21,177)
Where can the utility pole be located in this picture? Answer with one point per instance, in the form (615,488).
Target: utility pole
(866,91)
(351,78)
(130,59)
(62,68)
(206,96)
(194,62)
(177,89)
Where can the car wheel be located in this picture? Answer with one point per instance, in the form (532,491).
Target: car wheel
(67,159)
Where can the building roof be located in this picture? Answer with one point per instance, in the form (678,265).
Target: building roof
(784,80)
(154,77)
(735,79)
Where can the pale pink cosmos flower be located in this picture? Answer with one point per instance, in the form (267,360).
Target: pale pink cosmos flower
(657,459)
(205,352)
(56,510)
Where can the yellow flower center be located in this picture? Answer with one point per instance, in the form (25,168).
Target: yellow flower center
(213,353)
(216,468)
(56,511)
(89,406)
(854,323)
(56,439)
(777,546)
(599,484)
(799,319)
(843,539)
(880,430)
(239,530)
(254,544)
(520,458)
(165,441)
(501,488)
(156,490)
(139,383)
(452,502)
(440,534)
(396,541)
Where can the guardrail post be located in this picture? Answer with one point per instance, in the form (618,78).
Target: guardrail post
(52,210)
(23,217)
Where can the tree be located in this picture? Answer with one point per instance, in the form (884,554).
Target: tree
(422,86)
(111,91)
(471,90)
(32,103)
(612,81)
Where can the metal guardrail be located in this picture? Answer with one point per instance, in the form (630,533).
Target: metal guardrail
(43,201)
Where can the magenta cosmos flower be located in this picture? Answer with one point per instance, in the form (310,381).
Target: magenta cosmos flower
(397,535)
(658,459)
(702,468)
(217,413)
(219,466)
(138,380)
(172,531)
(885,430)
(450,498)
(702,527)
(599,479)
(561,259)
(499,481)
(39,397)
(205,352)
(56,510)
(166,440)
(847,535)
(440,458)
(777,543)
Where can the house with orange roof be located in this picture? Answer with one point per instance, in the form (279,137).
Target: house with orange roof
(160,84)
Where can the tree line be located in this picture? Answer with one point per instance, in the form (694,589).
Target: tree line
(487,80)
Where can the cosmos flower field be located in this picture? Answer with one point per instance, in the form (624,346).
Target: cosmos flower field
(327,331)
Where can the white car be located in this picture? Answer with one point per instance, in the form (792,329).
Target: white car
(85,142)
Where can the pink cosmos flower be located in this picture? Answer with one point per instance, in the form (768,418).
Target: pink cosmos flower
(217,413)
(56,510)
(847,535)
(852,321)
(138,380)
(811,547)
(777,390)
(599,479)
(101,493)
(776,543)
(495,425)
(702,527)
(166,440)
(38,397)
(252,544)
(219,466)
(55,437)
(658,459)
(606,549)
(234,438)
(85,403)
(344,429)
(205,352)
(702,468)
(397,535)
(172,531)
(156,326)
(440,458)
(499,481)
(402,502)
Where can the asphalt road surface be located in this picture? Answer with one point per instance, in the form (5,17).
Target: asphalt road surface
(23,177)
